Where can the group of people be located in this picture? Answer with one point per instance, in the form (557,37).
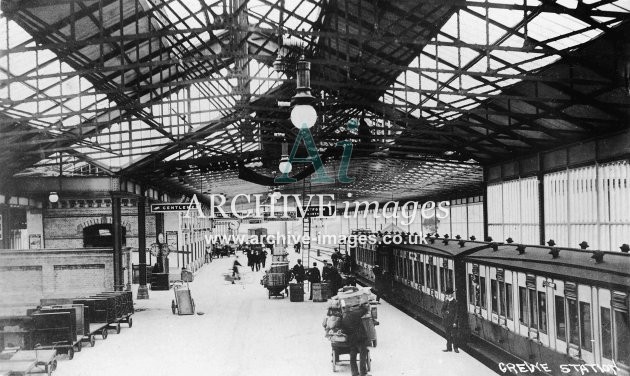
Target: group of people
(329,274)
(344,263)
(256,258)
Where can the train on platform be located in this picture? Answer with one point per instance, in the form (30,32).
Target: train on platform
(562,307)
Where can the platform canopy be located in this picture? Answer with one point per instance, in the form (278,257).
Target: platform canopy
(183,94)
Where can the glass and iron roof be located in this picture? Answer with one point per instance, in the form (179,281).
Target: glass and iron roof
(139,86)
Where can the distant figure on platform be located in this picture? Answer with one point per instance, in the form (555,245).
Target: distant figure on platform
(250,259)
(161,251)
(288,275)
(313,277)
(352,325)
(297,246)
(326,272)
(298,272)
(345,263)
(235,273)
(257,259)
(336,256)
(336,281)
(263,257)
(449,319)
(378,281)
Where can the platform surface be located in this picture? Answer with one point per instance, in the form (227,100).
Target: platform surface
(243,333)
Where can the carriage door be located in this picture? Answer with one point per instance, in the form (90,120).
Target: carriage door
(484,281)
(508,297)
(543,291)
(494,296)
(559,318)
(605,328)
(585,306)
(523,307)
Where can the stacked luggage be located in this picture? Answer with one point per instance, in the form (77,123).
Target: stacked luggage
(276,278)
(350,299)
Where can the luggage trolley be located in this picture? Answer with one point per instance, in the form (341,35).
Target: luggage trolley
(183,303)
(341,348)
(26,362)
(123,308)
(97,316)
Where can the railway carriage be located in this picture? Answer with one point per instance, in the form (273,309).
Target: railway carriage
(550,305)
(538,304)
(421,273)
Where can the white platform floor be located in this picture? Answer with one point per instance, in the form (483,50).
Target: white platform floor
(244,333)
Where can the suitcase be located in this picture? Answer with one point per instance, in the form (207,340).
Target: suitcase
(349,300)
(296,292)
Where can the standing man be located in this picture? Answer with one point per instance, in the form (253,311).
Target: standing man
(298,272)
(313,277)
(352,325)
(449,319)
(378,281)
(336,256)
(263,257)
(258,259)
(297,247)
(326,272)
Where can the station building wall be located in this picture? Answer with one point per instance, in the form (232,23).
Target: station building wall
(26,276)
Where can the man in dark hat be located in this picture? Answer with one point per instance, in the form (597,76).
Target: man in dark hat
(298,272)
(625,248)
(313,277)
(449,320)
(326,272)
(336,256)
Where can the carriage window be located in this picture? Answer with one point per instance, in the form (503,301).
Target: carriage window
(495,296)
(622,337)
(482,283)
(508,311)
(542,312)
(606,333)
(446,278)
(574,335)
(533,309)
(522,313)
(421,274)
(432,282)
(415,271)
(471,289)
(502,298)
(561,327)
(410,270)
(585,326)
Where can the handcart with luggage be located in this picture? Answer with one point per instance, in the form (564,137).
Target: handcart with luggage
(275,283)
(349,299)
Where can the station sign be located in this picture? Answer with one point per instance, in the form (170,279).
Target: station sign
(167,208)
(314,211)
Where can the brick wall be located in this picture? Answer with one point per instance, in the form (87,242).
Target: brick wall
(64,223)
(27,276)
